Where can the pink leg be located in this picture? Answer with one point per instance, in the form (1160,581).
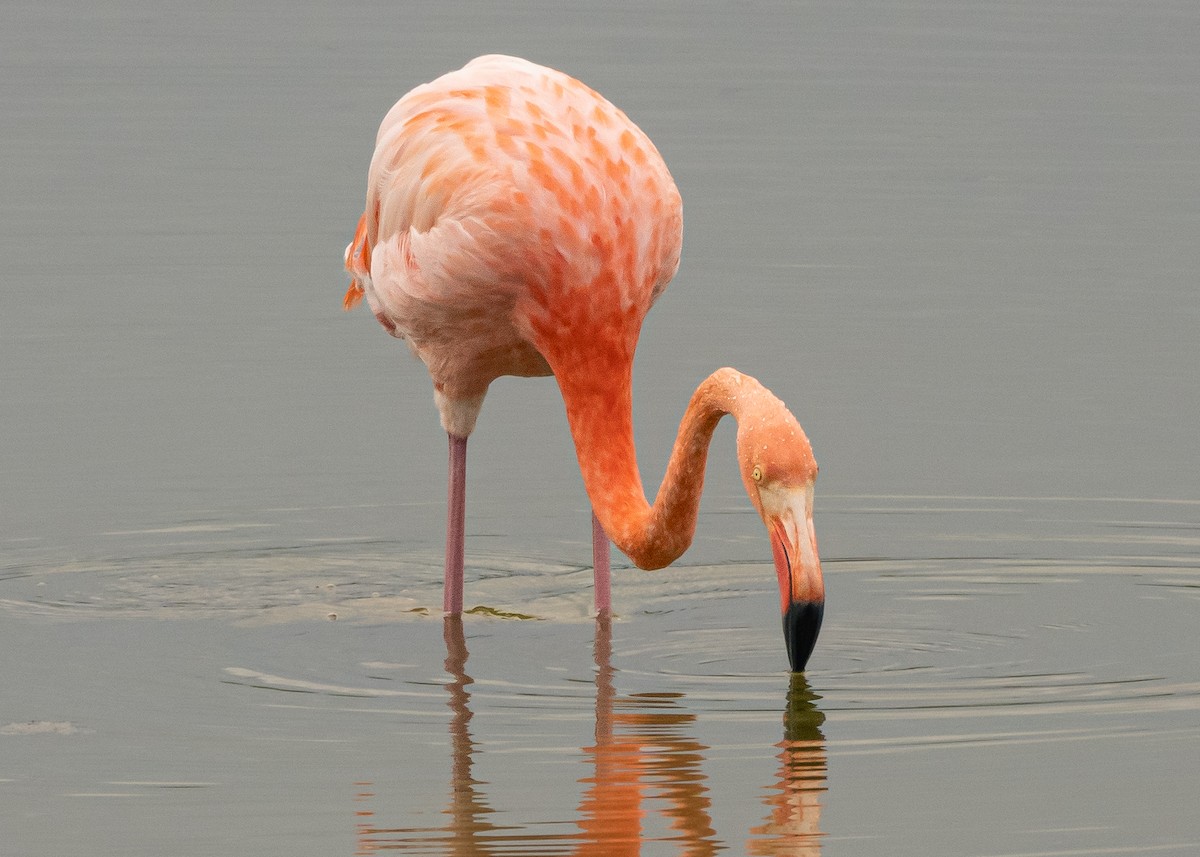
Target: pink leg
(456,508)
(600,568)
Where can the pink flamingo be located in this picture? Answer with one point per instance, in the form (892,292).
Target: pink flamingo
(517,223)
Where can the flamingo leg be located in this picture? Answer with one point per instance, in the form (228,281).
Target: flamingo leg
(600,568)
(456,508)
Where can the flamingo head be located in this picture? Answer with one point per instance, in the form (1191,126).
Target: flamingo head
(778,470)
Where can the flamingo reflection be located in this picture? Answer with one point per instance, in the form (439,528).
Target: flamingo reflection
(793,827)
(643,760)
(642,750)
(468,830)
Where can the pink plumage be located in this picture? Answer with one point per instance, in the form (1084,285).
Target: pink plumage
(498,193)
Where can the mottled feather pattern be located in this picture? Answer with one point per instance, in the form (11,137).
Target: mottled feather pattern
(505,182)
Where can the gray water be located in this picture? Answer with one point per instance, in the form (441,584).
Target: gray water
(960,240)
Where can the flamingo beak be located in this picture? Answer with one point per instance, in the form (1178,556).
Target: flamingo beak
(801,624)
(798,568)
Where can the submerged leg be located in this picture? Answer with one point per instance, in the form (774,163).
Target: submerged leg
(600,567)
(456,507)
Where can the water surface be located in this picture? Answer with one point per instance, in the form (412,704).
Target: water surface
(958,240)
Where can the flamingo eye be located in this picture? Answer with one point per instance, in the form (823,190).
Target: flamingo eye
(757,474)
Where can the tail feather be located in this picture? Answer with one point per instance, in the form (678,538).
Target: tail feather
(358,264)
(354,294)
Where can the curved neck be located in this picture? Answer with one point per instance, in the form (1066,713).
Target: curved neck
(601,419)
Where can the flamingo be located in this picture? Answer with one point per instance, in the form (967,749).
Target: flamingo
(517,223)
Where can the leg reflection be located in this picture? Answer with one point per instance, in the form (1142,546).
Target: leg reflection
(793,827)
(468,808)
(644,764)
(468,831)
(642,754)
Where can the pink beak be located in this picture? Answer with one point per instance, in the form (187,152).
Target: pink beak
(801,586)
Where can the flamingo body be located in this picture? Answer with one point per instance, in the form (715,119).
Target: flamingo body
(517,223)
(498,198)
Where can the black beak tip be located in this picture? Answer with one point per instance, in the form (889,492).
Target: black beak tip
(801,625)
